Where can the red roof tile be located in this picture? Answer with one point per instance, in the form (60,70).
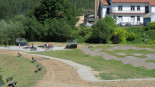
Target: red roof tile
(130,0)
(152,2)
(104,2)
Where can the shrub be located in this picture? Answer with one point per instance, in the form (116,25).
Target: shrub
(84,33)
(151,26)
(136,35)
(101,32)
(119,35)
(131,36)
(59,30)
(151,42)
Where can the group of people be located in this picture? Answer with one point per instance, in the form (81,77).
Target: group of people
(34,47)
(48,46)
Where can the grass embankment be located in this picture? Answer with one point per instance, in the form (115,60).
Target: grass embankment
(21,69)
(108,69)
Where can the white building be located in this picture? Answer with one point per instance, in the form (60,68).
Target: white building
(127,11)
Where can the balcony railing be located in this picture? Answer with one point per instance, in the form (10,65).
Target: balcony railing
(128,11)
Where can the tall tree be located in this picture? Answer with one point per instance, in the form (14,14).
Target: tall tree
(60,9)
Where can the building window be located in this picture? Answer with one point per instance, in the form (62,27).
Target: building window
(120,18)
(132,8)
(138,8)
(138,18)
(119,8)
(132,18)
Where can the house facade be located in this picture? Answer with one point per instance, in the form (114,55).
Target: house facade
(127,11)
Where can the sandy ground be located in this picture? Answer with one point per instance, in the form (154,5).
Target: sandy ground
(62,75)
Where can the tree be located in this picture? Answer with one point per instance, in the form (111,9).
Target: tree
(58,30)
(59,9)
(10,8)
(101,32)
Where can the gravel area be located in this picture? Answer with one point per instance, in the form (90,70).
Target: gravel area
(135,61)
(123,54)
(129,48)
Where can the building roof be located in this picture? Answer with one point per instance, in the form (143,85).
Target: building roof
(104,2)
(151,2)
(149,15)
(130,1)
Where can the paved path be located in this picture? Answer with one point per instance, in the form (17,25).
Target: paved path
(22,48)
(137,62)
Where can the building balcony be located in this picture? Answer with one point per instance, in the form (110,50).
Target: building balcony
(129,12)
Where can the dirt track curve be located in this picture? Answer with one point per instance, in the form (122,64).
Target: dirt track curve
(62,75)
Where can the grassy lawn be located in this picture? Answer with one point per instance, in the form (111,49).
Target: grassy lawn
(21,69)
(109,70)
(151,61)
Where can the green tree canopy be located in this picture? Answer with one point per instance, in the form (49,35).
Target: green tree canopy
(50,9)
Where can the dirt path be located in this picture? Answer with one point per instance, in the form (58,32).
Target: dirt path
(58,73)
(62,75)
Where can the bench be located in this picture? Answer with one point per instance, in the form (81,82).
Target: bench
(38,69)
(33,60)
(9,79)
(90,46)
(12,84)
(19,54)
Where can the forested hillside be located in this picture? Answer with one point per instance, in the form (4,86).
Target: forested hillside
(84,3)
(84,6)
(9,8)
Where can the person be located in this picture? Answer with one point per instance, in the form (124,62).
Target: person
(36,47)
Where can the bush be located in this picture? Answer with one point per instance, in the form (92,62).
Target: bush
(119,35)
(151,42)
(136,35)
(101,32)
(10,30)
(151,26)
(84,33)
(59,30)
(150,34)
(131,36)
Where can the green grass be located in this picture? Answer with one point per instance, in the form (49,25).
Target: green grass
(151,61)
(109,70)
(21,69)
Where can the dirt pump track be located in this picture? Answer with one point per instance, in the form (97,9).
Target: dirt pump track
(60,74)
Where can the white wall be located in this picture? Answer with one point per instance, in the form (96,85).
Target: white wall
(152,8)
(127,18)
(126,7)
(104,12)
